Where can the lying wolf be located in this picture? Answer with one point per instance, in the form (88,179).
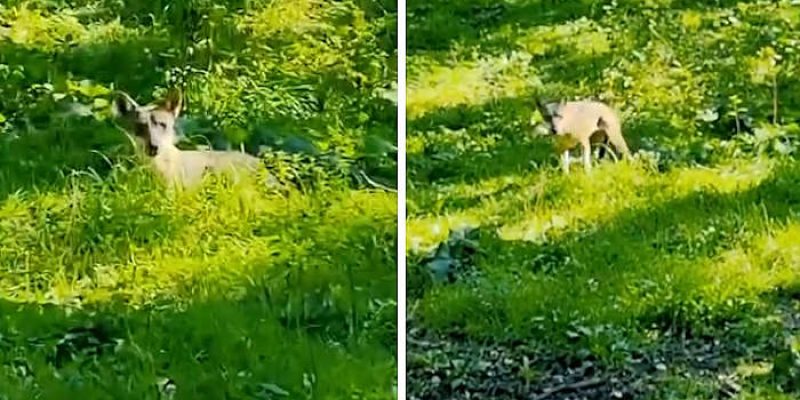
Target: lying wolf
(154,127)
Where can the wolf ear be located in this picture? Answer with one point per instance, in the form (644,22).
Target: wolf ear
(124,105)
(541,105)
(174,102)
(547,109)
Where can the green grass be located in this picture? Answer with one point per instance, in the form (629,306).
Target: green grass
(114,286)
(692,245)
(221,290)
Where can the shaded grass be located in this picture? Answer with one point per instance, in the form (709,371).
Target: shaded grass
(207,350)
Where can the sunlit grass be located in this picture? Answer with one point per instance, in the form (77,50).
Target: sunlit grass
(544,204)
(467,83)
(36,30)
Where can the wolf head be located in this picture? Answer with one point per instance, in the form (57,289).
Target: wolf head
(551,112)
(154,124)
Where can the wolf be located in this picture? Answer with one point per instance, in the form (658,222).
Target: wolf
(153,126)
(583,122)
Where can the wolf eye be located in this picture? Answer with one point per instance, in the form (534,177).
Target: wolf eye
(157,123)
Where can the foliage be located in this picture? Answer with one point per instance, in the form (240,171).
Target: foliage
(240,69)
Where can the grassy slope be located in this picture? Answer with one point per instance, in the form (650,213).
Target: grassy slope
(115,287)
(694,251)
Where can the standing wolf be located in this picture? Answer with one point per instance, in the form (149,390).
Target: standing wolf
(584,123)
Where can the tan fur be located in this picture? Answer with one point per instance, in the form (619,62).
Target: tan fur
(188,167)
(154,127)
(583,123)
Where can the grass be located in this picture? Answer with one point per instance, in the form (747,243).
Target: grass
(114,286)
(222,290)
(668,276)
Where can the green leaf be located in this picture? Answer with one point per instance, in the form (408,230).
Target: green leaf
(100,103)
(268,389)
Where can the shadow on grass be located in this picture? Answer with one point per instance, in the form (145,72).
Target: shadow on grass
(129,63)
(333,299)
(471,143)
(195,348)
(39,160)
(440,24)
(48,142)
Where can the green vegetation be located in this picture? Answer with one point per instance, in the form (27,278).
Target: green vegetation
(671,276)
(114,286)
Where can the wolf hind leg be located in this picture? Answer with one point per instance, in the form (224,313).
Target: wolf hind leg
(619,143)
(614,136)
(600,141)
(602,149)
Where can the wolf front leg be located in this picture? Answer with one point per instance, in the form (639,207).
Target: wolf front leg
(587,155)
(565,161)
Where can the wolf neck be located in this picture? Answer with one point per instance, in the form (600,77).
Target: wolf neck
(167,153)
(168,162)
